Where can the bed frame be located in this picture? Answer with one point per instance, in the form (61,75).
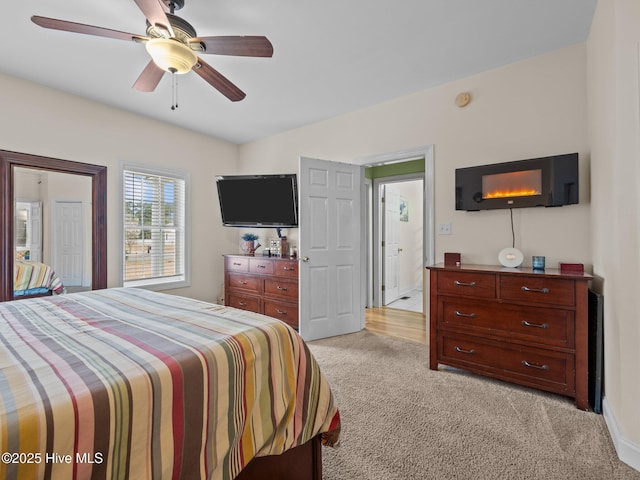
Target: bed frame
(299,463)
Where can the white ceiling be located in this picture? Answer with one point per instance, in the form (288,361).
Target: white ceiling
(330,56)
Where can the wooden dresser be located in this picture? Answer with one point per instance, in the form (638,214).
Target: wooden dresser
(514,324)
(267,285)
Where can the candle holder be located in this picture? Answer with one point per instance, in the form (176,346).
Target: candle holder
(537,262)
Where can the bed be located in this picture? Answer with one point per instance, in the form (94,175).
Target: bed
(35,279)
(128,383)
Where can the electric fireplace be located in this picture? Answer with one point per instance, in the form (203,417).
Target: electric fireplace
(536,182)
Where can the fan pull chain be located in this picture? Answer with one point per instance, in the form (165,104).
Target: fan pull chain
(174,90)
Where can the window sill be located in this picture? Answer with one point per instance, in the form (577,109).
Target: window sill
(158,284)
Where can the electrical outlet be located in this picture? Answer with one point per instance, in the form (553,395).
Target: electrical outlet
(444,229)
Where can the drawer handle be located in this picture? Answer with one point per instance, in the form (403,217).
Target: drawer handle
(460,314)
(533,365)
(288,269)
(237,264)
(284,289)
(281,312)
(261,266)
(464,284)
(242,282)
(537,325)
(242,304)
(535,290)
(462,350)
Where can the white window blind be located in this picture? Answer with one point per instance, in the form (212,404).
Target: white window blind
(154,228)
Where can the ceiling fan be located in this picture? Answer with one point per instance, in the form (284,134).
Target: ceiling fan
(174,46)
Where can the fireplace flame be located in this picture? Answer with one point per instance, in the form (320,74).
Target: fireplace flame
(521,183)
(512,193)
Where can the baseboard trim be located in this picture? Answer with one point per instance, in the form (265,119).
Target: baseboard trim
(627,451)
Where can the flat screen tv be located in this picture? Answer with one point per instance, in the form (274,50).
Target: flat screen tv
(258,200)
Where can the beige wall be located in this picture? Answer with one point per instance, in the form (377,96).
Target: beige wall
(41,121)
(528,109)
(614,132)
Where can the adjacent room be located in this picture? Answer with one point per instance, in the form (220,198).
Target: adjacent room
(249,240)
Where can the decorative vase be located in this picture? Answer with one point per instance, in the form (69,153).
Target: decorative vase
(249,247)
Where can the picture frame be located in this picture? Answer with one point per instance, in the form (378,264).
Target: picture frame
(404,210)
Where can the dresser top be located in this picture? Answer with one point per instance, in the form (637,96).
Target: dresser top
(262,257)
(547,272)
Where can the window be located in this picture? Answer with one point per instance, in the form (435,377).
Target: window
(21,227)
(154,233)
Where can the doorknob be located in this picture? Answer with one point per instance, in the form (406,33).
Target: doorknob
(305,259)
(399,250)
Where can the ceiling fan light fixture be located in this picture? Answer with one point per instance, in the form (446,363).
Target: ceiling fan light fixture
(171,55)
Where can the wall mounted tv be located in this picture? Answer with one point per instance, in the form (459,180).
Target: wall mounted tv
(536,182)
(258,200)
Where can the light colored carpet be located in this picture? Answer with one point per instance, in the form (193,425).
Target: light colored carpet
(402,421)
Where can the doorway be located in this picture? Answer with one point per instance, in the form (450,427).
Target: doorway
(361,284)
(416,164)
(401,201)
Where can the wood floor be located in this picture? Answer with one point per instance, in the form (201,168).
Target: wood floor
(397,323)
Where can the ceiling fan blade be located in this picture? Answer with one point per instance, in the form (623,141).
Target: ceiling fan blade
(66,26)
(218,81)
(149,78)
(154,11)
(237,45)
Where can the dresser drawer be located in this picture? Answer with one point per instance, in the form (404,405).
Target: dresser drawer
(283,288)
(554,371)
(546,326)
(285,312)
(531,289)
(286,268)
(249,283)
(467,283)
(243,302)
(262,266)
(236,264)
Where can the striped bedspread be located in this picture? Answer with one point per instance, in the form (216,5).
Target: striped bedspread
(127,383)
(33,277)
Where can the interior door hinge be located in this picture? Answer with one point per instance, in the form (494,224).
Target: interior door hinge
(382,288)
(383,243)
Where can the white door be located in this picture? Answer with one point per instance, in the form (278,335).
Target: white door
(330,249)
(391,245)
(35,237)
(68,233)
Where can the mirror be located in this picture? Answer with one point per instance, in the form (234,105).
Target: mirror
(52,231)
(20,229)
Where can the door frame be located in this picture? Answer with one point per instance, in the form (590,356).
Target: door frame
(373,284)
